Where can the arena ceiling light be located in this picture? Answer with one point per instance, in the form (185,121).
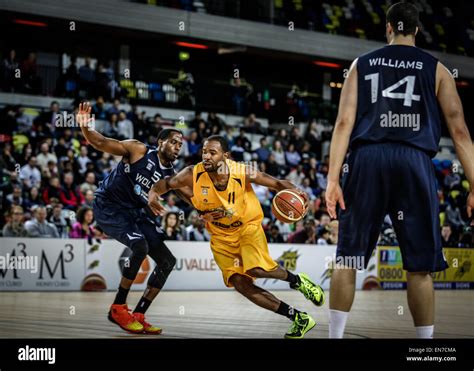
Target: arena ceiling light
(191,45)
(30,23)
(327,64)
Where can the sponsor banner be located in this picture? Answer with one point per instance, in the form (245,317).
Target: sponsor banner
(41,264)
(459,275)
(196,268)
(69,265)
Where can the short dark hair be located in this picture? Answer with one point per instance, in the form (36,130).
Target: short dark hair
(404,18)
(323,231)
(165,133)
(221,140)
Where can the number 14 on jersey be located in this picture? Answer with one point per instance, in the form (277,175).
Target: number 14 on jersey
(407,96)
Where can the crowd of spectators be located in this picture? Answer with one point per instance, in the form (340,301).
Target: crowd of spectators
(89,77)
(49,174)
(21,75)
(445,25)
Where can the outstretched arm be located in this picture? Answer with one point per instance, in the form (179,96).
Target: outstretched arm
(266,180)
(258,177)
(125,148)
(184,179)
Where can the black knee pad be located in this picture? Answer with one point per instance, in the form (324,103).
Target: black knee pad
(161,272)
(132,266)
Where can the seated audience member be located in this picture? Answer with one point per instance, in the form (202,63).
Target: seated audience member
(39,226)
(196,230)
(447,236)
(58,219)
(305,235)
(171,227)
(70,195)
(274,236)
(83,228)
(15,226)
(323,236)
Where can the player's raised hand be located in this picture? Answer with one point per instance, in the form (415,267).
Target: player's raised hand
(83,117)
(333,197)
(154,202)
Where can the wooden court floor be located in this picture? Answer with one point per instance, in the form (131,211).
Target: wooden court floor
(222,314)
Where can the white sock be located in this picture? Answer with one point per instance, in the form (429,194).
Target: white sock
(424,332)
(337,323)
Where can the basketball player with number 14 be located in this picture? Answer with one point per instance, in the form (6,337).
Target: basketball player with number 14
(388,119)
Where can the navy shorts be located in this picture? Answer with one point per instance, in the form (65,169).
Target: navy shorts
(126,225)
(398,180)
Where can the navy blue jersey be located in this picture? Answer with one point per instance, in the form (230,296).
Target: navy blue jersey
(396,99)
(128,184)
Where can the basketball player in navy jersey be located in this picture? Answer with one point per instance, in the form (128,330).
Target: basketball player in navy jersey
(388,119)
(119,209)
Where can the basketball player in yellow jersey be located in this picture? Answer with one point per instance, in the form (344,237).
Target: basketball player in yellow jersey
(223,195)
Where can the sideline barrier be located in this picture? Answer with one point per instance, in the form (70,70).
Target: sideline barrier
(34,264)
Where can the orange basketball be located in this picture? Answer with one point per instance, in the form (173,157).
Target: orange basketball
(288,206)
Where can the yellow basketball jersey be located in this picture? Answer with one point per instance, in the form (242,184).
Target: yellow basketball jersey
(239,202)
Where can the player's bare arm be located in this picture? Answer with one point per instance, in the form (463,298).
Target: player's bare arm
(183,180)
(131,149)
(261,178)
(451,106)
(258,177)
(185,194)
(340,140)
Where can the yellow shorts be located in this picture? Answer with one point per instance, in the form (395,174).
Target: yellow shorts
(241,251)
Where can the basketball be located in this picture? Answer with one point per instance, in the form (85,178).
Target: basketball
(288,206)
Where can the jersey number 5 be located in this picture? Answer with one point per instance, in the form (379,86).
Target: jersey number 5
(407,96)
